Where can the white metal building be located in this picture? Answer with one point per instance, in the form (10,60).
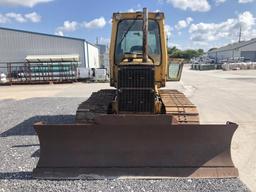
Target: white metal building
(245,49)
(16,45)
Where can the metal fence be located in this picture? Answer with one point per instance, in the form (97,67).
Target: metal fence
(29,73)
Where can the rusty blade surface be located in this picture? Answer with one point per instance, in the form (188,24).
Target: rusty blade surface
(134,145)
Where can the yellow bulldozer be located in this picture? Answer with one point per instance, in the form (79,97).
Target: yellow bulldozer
(137,129)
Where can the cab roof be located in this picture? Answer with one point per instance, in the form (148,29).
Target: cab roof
(139,15)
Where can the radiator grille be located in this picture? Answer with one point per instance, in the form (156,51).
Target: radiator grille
(136,100)
(137,76)
(136,88)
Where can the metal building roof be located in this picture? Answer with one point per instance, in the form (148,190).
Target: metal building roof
(234,46)
(45,34)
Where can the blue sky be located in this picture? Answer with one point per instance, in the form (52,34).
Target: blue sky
(189,23)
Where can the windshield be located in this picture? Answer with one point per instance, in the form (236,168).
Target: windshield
(130,40)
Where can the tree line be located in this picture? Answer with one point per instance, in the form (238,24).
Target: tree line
(188,54)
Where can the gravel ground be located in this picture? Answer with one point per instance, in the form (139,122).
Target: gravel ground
(19,151)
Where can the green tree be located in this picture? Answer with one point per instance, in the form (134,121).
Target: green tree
(200,51)
(174,52)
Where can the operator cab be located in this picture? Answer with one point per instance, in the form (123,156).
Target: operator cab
(129,42)
(139,39)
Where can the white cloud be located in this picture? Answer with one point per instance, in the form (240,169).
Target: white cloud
(110,21)
(20,18)
(168,30)
(70,26)
(246,20)
(24,3)
(95,23)
(33,17)
(194,5)
(226,30)
(105,41)
(16,17)
(245,1)
(60,33)
(131,10)
(218,2)
(138,8)
(4,19)
(183,23)
(189,20)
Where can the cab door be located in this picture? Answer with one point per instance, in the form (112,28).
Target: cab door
(175,67)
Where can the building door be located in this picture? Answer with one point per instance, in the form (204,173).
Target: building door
(249,55)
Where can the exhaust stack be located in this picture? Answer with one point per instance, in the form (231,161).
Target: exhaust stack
(145,35)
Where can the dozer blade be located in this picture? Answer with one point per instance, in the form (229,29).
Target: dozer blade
(143,146)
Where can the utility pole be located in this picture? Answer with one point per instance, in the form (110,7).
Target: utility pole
(167,39)
(240,34)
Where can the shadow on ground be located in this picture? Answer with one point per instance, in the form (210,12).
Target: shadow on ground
(26,127)
(26,175)
(35,154)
